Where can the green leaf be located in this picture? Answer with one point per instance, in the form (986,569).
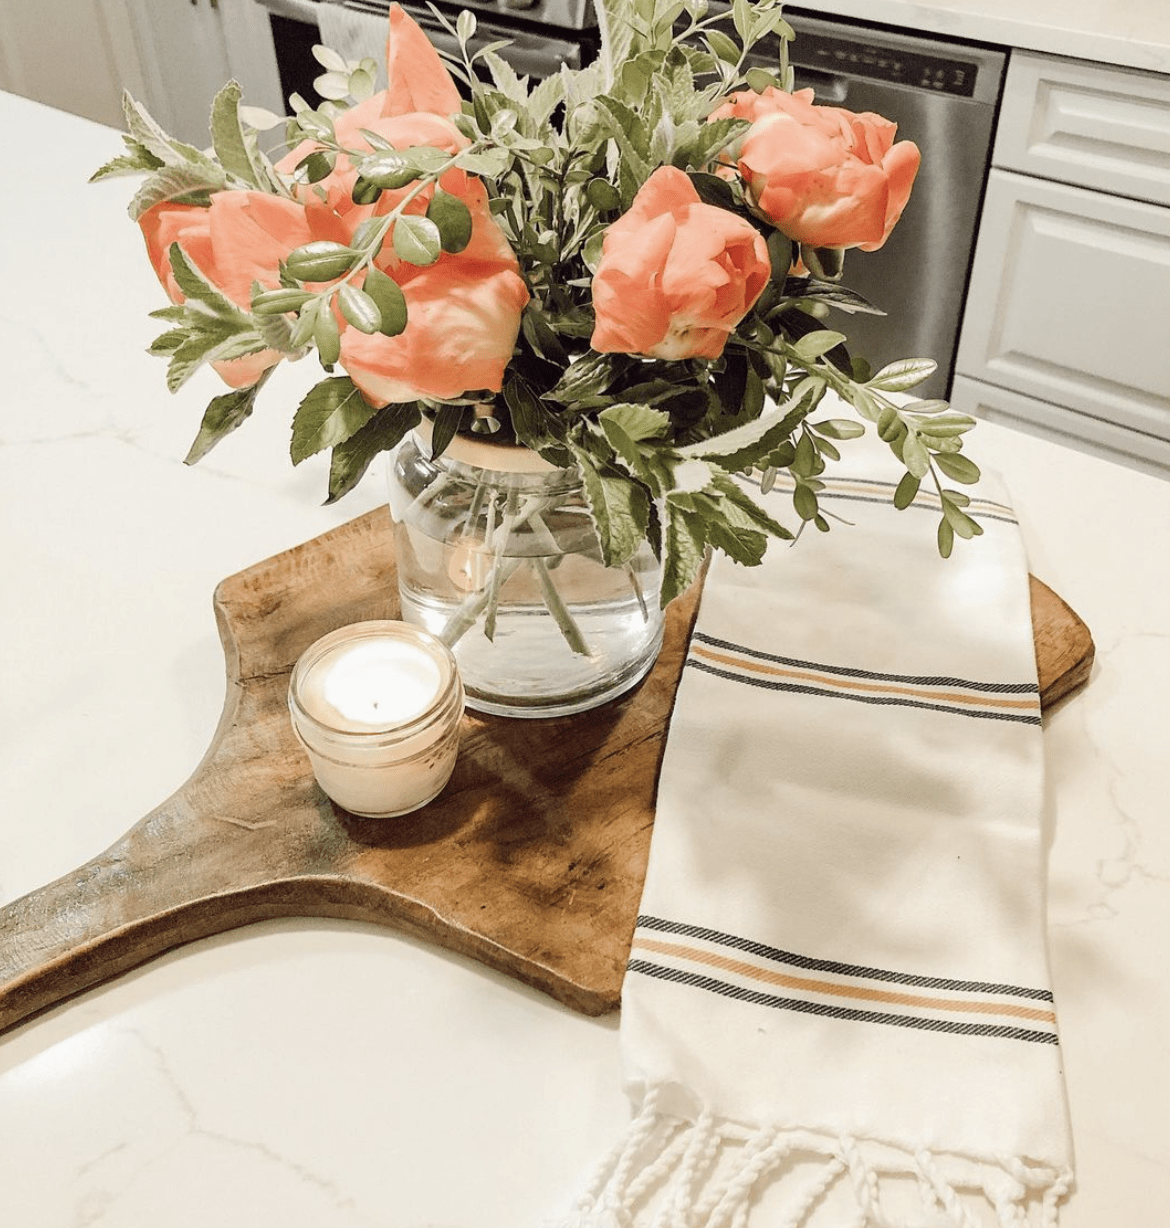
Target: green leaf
(907,373)
(915,456)
(838,428)
(388,168)
(228,138)
(222,416)
(636,422)
(327,337)
(359,309)
(388,298)
(277,302)
(804,500)
(946,538)
(723,46)
(957,467)
(811,346)
(448,419)
(453,219)
(174,181)
(384,431)
(195,286)
(134,162)
(146,132)
(907,491)
(684,547)
(417,240)
(619,506)
(321,260)
(331,412)
(316,166)
(602,195)
(745,444)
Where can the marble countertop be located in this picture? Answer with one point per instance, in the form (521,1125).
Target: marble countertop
(1135,34)
(316,1074)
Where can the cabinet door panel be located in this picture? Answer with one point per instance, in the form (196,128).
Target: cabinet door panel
(1105,440)
(1097,127)
(1070,301)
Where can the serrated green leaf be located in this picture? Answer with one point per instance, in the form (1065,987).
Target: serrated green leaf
(417,240)
(636,422)
(222,416)
(227,136)
(359,309)
(171,182)
(384,431)
(389,300)
(195,285)
(143,129)
(619,507)
(331,412)
(684,548)
(136,160)
(453,219)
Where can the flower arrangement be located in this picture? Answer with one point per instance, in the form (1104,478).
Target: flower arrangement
(627,267)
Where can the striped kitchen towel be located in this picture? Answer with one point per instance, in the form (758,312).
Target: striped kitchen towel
(837,1007)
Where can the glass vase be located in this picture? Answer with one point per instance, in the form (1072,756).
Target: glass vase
(498,557)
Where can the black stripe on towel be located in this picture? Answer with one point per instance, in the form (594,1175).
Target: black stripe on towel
(770,684)
(957,1027)
(845,671)
(826,965)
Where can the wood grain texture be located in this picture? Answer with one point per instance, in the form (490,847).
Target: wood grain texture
(531,860)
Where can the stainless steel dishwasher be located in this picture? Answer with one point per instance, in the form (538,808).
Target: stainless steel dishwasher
(943,96)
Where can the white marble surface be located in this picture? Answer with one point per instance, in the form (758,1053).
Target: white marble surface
(332,1075)
(1133,34)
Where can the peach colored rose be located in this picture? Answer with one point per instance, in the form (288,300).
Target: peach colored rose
(463,318)
(242,237)
(418,80)
(824,176)
(401,131)
(676,275)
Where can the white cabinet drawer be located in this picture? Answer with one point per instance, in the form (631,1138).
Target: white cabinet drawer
(1070,301)
(1104,128)
(1106,440)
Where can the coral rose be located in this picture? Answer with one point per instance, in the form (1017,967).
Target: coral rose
(824,176)
(462,322)
(418,80)
(676,275)
(242,237)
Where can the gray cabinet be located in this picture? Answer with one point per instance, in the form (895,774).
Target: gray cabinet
(1067,326)
(172,55)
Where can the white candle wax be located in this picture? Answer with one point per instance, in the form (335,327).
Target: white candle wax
(377,706)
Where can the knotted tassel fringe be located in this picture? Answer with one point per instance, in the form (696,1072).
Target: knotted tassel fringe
(668,1172)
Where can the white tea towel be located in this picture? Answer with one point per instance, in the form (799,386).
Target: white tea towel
(838,992)
(354,34)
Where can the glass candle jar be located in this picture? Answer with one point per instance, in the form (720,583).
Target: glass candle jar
(377,706)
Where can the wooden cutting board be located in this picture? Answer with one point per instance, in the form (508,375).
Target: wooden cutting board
(531,860)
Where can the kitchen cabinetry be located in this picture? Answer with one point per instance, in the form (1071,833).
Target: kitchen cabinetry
(76,57)
(1067,327)
(190,48)
(172,55)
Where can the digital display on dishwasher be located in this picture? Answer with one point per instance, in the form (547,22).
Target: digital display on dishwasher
(846,55)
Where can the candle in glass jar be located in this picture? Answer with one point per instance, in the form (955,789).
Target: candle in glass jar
(377,707)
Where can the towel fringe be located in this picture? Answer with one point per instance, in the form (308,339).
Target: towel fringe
(670,1172)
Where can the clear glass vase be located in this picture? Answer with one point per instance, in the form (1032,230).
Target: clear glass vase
(498,557)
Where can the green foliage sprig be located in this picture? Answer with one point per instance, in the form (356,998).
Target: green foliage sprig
(658,442)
